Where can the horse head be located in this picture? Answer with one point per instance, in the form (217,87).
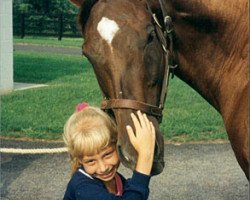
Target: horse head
(121,43)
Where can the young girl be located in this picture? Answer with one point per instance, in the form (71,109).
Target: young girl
(91,137)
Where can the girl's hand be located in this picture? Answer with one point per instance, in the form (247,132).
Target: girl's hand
(143,141)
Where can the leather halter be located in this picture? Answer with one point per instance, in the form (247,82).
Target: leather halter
(164,35)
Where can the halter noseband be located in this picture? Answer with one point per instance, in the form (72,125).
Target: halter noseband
(165,37)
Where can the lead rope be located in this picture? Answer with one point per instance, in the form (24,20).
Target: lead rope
(33,151)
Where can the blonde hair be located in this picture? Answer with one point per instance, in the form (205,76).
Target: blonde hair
(88,132)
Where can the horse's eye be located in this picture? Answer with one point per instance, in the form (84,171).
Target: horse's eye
(153,81)
(151,37)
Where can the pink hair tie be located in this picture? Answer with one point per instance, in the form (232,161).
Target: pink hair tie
(81,106)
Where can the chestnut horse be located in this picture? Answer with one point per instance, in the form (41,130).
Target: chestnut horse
(209,43)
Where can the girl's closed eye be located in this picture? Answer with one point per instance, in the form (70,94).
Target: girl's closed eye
(108,154)
(89,162)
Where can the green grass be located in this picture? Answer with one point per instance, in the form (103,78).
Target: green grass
(49,41)
(42,112)
(188,117)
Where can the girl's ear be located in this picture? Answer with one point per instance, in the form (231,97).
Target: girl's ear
(77,2)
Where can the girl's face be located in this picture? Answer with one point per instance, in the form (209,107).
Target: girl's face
(102,165)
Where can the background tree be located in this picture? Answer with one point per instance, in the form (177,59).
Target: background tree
(44,17)
(45,6)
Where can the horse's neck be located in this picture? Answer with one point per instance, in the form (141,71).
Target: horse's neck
(207,43)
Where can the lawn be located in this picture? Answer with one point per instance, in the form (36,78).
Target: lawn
(49,41)
(42,112)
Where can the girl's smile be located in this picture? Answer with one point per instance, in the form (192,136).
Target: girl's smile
(107,176)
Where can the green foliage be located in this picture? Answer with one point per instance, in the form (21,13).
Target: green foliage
(47,17)
(64,7)
(24,7)
(45,6)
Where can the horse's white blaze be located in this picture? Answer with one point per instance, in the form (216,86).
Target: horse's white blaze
(107,29)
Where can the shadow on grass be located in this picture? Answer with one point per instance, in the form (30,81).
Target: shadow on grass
(35,67)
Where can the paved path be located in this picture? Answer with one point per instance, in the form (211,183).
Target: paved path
(192,172)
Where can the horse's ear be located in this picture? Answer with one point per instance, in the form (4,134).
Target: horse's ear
(77,2)
(86,6)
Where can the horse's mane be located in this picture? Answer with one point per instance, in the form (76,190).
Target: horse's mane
(85,12)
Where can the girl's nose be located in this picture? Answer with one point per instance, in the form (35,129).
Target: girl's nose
(102,167)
